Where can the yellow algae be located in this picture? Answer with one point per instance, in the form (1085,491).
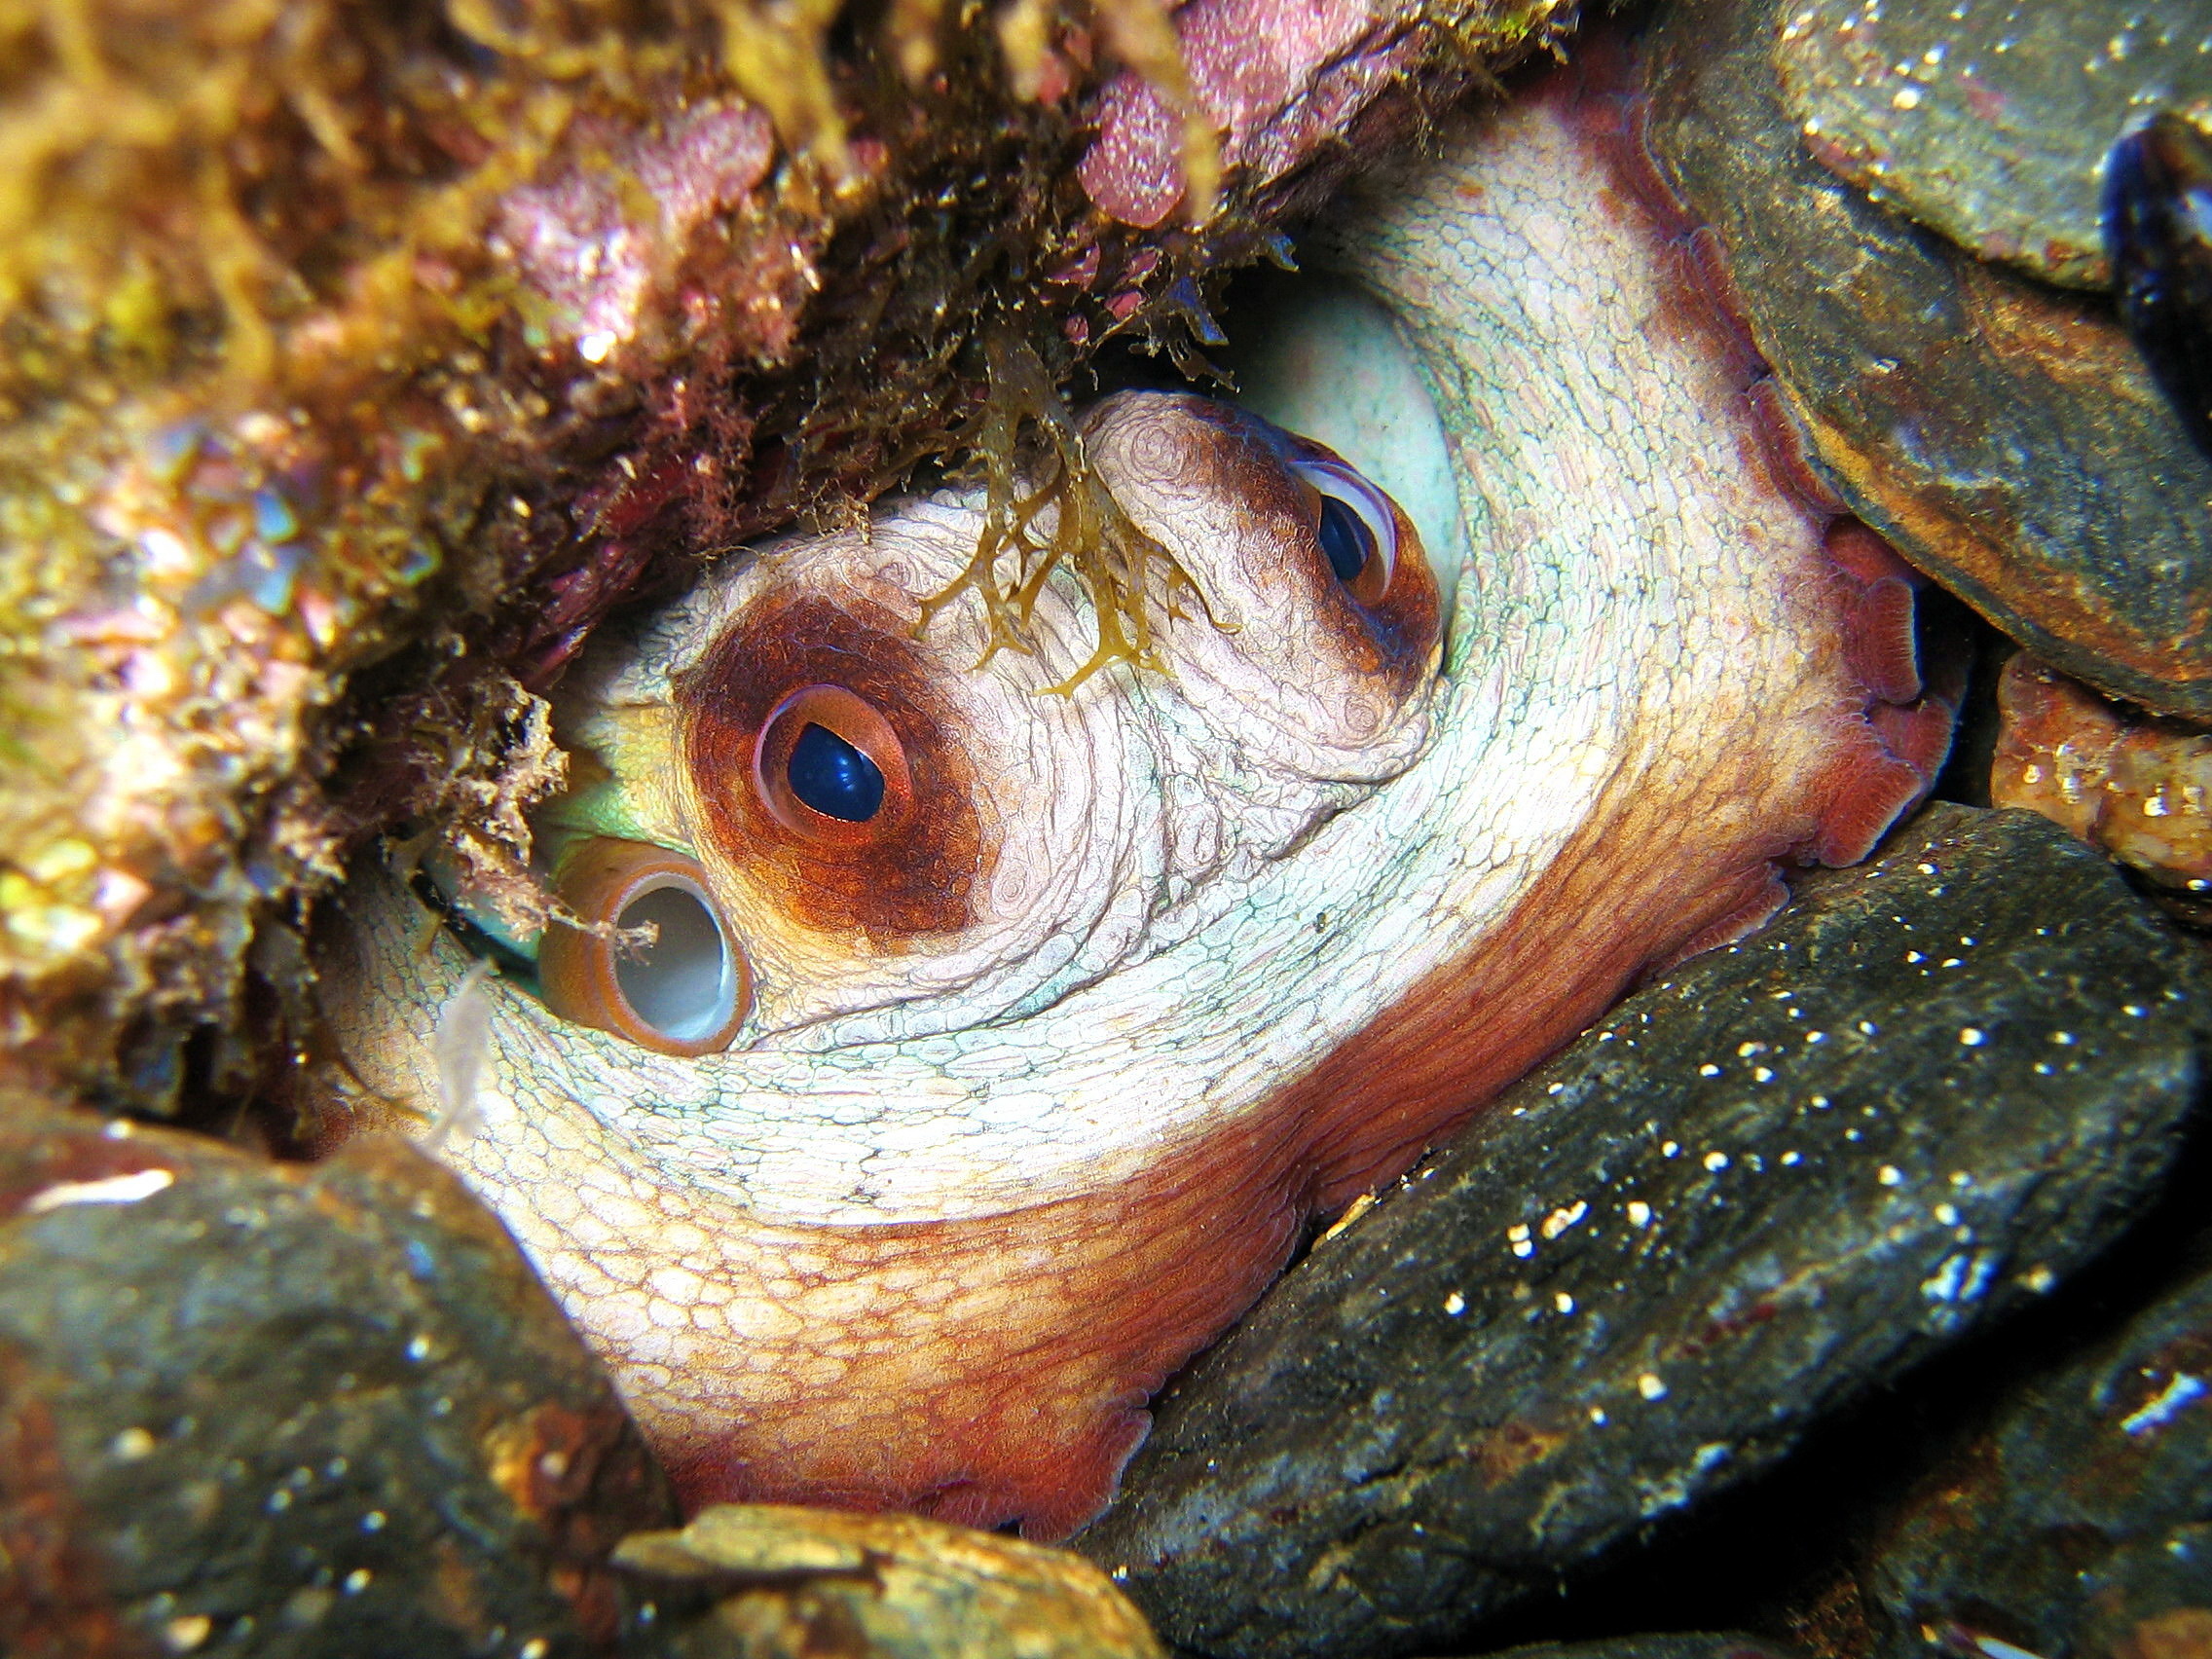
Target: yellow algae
(1126,572)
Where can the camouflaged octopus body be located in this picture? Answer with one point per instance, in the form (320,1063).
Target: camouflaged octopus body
(1042,1074)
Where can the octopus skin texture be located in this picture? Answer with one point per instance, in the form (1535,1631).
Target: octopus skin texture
(1045,1025)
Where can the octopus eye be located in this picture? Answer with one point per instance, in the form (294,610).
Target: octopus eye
(833,778)
(1358,530)
(685,992)
(829,768)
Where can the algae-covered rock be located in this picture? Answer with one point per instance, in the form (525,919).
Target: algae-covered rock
(2135,785)
(789,1582)
(355,358)
(1991,123)
(2072,1520)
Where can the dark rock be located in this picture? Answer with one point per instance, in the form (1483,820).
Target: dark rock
(263,1410)
(1758,1191)
(1990,123)
(2078,1519)
(2006,436)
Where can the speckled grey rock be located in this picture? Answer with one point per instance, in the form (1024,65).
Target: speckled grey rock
(2078,1519)
(1990,121)
(256,1410)
(2005,435)
(1761,1190)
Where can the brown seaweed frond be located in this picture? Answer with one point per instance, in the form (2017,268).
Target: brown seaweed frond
(1123,568)
(1483,38)
(489,768)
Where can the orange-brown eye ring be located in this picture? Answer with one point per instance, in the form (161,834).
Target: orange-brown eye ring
(829,768)
(1358,529)
(684,994)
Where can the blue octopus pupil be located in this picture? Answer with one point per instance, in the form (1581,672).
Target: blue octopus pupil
(833,778)
(1346,539)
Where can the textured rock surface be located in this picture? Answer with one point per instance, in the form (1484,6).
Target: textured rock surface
(1758,1191)
(2078,1518)
(790,1582)
(261,1410)
(2139,787)
(2006,437)
(1990,123)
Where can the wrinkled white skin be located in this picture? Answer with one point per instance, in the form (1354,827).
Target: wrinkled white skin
(1210,881)
(1130,815)
(1135,917)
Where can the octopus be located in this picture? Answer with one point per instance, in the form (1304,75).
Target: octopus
(932,1055)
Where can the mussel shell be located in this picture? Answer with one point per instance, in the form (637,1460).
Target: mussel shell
(2158,225)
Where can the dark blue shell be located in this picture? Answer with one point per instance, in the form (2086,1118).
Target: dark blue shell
(2158,233)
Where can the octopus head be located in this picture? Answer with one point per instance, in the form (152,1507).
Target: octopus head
(847,832)
(873,954)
